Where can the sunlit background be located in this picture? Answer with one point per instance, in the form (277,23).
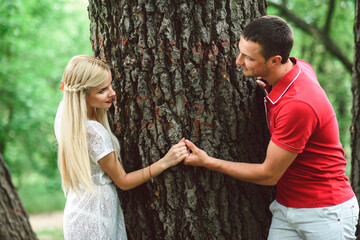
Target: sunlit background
(38,38)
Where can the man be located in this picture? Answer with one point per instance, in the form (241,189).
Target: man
(304,157)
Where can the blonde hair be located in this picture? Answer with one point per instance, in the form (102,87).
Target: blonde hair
(81,74)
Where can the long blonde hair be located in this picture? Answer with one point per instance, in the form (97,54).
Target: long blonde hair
(81,74)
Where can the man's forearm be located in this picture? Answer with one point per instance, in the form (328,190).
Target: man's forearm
(248,172)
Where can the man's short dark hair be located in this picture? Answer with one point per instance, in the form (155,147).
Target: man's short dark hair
(273,34)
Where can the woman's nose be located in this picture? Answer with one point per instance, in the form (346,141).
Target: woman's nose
(112,92)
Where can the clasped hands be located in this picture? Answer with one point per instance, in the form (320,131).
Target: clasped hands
(186,151)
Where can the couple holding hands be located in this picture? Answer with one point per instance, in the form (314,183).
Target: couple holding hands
(304,157)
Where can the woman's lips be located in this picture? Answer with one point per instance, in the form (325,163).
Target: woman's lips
(110,101)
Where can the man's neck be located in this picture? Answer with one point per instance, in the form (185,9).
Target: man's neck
(280,72)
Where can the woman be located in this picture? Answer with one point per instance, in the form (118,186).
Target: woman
(88,154)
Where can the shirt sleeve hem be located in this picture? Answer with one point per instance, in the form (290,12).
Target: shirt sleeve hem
(103,155)
(286,146)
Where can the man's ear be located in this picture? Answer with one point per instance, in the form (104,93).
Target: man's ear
(276,59)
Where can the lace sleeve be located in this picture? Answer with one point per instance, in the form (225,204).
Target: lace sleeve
(99,141)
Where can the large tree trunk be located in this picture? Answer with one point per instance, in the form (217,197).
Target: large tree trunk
(14,221)
(355,128)
(175,76)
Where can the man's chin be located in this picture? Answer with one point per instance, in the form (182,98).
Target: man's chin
(247,74)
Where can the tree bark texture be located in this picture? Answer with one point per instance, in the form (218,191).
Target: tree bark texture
(175,76)
(355,128)
(14,221)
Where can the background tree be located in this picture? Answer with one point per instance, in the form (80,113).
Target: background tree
(175,74)
(14,221)
(355,128)
(321,30)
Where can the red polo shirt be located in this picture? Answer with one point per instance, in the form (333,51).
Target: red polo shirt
(302,120)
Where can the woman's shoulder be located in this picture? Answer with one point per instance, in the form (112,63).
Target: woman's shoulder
(96,128)
(93,123)
(99,140)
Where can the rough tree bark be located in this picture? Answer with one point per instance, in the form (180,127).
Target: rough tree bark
(175,76)
(14,221)
(355,128)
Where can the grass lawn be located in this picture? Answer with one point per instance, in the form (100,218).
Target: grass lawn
(39,200)
(53,234)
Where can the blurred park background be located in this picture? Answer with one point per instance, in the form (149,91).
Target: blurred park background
(38,38)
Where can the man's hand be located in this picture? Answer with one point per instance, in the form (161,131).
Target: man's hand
(197,156)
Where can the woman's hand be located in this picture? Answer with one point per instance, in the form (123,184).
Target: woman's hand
(175,155)
(260,83)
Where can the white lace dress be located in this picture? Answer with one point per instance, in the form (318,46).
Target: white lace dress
(94,215)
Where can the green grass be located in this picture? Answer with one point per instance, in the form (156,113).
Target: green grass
(40,200)
(54,234)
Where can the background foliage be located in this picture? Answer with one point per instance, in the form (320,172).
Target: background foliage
(38,38)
